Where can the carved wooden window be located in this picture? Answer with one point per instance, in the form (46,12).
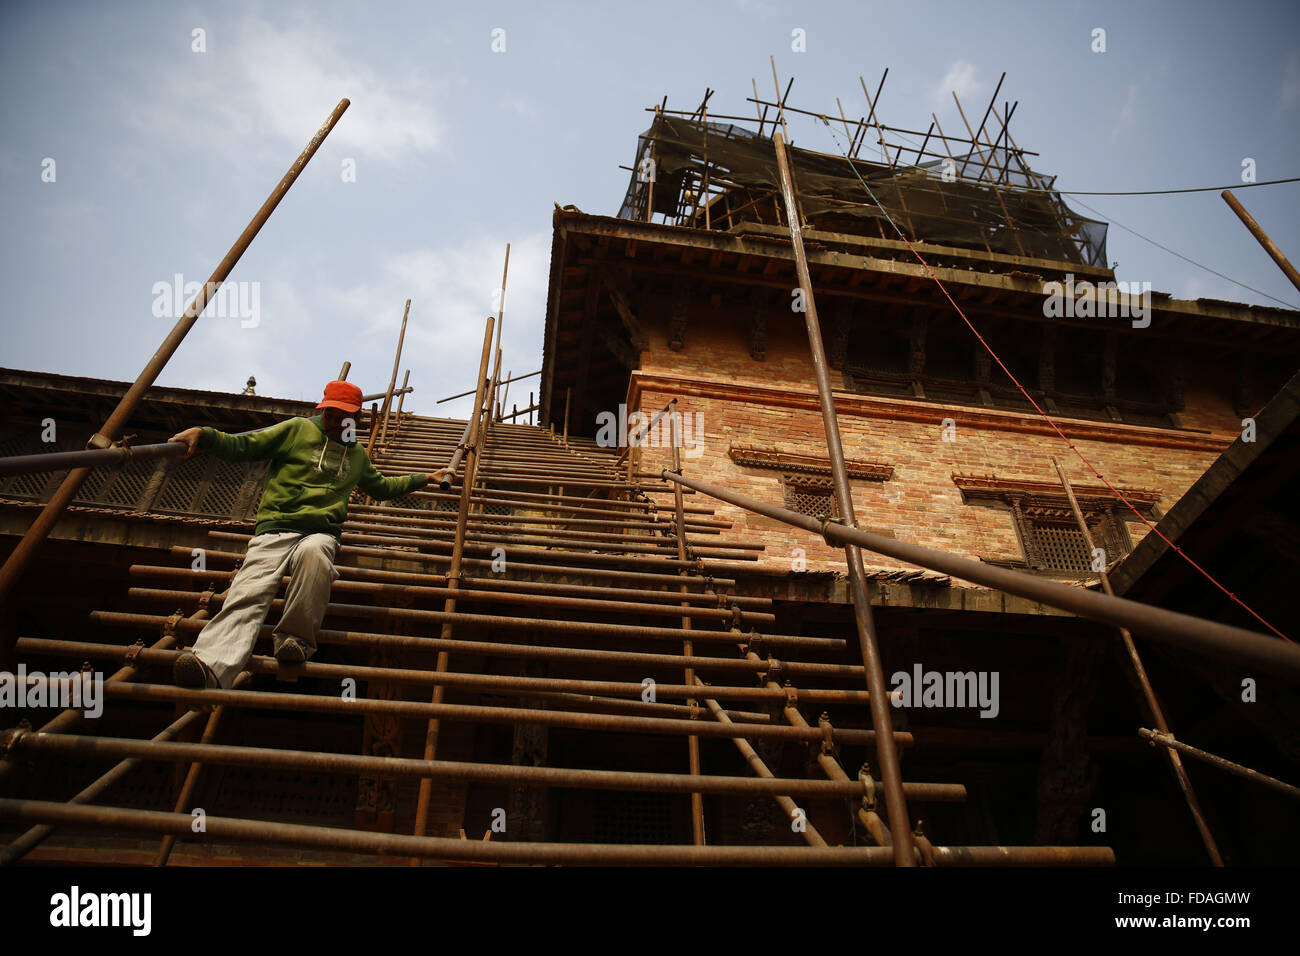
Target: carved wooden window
(1052,540)
(1045,525)
(810,495)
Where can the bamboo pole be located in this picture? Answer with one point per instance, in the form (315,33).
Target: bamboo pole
(1148,692)
(880,716)
(112,427)
(392,381)
(453,579)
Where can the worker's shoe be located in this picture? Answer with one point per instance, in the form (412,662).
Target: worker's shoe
(290,650)
(190,671)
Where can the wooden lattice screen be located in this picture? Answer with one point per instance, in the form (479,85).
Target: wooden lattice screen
(812,495)
(200,485)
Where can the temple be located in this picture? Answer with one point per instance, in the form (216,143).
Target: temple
(578,654)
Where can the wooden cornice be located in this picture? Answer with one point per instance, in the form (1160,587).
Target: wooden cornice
(989,486)
(930,413)
(777,460)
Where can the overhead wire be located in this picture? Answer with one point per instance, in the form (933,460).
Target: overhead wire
(1118,494)
(1013,187)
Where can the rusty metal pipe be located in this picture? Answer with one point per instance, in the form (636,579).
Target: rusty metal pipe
(1181,630)
(453,574)
(1262,238)
(1168,740)
(880,716)
(1146,691)
(392,382)
(772,693)
(26,743)
(364,588)
(478,584)
(496,649)
(486,587)
(28,841)
(552,626)
(568,854)
(317,704)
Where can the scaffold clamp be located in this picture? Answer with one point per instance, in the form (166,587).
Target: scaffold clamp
(169,626)
(828,738)
(827,522)
(10,737)
(774,667)
(869,783)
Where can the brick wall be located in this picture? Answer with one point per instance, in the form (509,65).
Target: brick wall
(920,503)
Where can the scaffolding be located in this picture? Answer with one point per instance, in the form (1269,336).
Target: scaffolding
(978,193)
(548,554)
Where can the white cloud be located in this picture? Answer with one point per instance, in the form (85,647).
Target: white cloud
(1127,114)
(961,78)
(762,8)
(522,106)
(1289,93)
(280,81)
(451,288)
(296,76)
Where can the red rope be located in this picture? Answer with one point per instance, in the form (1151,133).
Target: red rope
(1075,449)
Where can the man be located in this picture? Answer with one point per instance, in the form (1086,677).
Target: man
(315,464)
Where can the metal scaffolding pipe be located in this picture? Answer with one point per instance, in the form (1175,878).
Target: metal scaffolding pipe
(566,854)
(1181,630)
(1262,238)
(1146,690)
(93,791)
(772,693)
(486,588)
(549,625)
(477,423)
(25,742)
(1168,740)
(880,716)
(490,648)
(392,382)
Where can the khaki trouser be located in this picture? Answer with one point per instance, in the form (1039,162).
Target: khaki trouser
(226,643)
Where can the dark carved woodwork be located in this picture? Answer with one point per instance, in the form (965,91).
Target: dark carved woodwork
(758,324)
(916,345)
(1067,775)
(840,325)
(1173,382)
(677,315)
(1108,361)
(376,806)
(777,460)
(1047,360)
(621,293)
(1241,402)
(528,808)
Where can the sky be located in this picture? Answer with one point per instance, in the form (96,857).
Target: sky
(137,140)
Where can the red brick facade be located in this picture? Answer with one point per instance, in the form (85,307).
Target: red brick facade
(773,403)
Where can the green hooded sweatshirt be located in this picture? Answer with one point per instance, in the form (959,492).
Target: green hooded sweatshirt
(310,475)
